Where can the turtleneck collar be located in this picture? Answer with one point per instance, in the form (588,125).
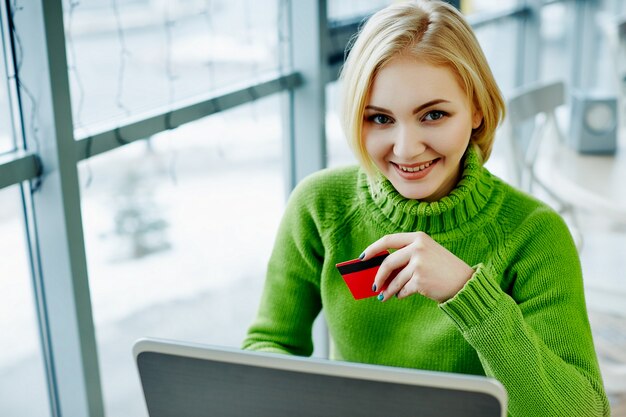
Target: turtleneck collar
(457,210)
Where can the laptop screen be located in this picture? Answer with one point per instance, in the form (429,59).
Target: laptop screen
(186,380)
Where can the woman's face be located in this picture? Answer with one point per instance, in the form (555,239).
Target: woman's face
(416,127)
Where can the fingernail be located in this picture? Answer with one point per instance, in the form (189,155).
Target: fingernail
(361,256)
(381,296)
(374,288)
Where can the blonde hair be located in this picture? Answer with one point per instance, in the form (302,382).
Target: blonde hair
(432,31)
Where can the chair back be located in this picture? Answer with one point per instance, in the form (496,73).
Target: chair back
(531,110)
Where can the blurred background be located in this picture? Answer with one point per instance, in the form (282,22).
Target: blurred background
(147,148)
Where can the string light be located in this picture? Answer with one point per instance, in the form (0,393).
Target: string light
(249,40)
(283,39)
(124,55)
(24,90)
(80,90)
(169,24)
(208,17)
(211,32)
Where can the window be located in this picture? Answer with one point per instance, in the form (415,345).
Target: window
(341,10)
(496,40)
(486,6)
(6,138)
(129,57)
(23,390)
(557,42)
(610,48)
(339,152)
(178,232)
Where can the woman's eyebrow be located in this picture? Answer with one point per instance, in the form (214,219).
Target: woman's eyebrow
(376,108)
(416,110)
(428,104)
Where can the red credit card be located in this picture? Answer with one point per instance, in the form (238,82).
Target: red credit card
(359,275)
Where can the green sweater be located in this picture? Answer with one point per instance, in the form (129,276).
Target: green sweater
(521,318)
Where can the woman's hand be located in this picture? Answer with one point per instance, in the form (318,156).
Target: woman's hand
(419,265)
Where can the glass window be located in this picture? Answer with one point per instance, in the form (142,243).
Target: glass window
(479,6)
(341,9)
(6,134)
(126,57)
(556,42)
(498,41)
(609,49)
(616,8)
(23,389)
(337,148)
(178,232)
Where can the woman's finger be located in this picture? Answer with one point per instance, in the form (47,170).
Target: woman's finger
(394,241)
(392,263)
(395,283)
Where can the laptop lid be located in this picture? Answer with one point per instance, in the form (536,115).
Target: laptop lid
(192,380)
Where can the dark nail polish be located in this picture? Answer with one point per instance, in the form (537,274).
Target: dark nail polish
(374,288)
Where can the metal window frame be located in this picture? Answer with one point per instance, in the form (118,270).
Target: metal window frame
(53,214)
(305,143)
(529,43)
(305,110)
(18,166)
(184,112)
(586,34)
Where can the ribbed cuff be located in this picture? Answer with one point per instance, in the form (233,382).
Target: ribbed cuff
(475,301)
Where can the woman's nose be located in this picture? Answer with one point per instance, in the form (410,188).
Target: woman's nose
(409,143)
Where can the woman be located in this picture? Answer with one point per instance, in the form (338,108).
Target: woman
(481,279)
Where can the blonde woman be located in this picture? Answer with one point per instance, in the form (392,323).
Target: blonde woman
(482,278)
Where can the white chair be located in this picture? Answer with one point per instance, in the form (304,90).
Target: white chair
(531,118)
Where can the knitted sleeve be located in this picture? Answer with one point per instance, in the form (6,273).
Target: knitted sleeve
(291,296)
(534,337)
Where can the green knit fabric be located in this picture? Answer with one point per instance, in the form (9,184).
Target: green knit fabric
(521,318)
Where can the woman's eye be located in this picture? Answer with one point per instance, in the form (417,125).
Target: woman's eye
(434,115)
(379,119)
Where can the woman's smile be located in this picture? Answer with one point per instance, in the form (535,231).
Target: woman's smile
(417,171)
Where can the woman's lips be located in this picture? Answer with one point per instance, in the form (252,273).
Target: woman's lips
(415,171)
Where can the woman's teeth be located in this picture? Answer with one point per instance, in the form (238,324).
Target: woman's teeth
(417,168)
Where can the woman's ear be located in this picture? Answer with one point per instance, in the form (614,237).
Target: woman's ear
(477,119)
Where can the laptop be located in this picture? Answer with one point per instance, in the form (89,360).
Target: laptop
(181,379)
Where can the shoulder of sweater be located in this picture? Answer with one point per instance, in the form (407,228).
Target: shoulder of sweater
(520,209)
(332,175)
(328,184)
(328,194)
